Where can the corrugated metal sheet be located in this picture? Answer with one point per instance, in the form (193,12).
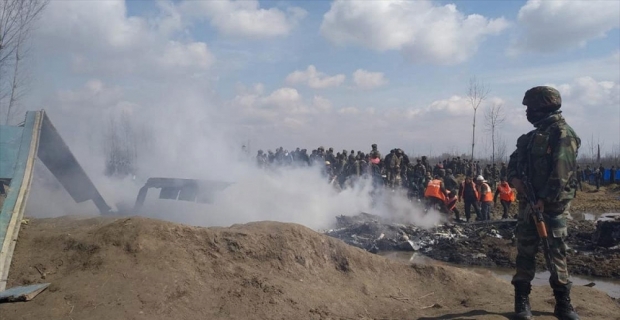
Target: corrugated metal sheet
(10,139)
(13,207)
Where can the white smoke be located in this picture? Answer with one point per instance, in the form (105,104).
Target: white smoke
(287,194)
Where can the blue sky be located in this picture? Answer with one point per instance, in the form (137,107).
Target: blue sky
(182,63)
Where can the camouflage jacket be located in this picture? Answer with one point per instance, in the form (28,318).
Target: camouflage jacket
(548,157)
(451,184)
(375,153)
(419,170)
(395,162)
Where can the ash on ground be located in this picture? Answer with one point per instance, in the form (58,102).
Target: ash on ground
(594,247)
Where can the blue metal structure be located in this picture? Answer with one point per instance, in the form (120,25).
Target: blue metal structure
(19,148)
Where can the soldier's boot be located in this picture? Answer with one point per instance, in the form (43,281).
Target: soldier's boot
(563,308)
(523,311)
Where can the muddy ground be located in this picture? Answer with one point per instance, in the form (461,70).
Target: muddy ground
(493,244)
(137,268)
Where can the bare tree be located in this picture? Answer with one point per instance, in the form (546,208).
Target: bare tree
(494,117)
(120,146)
(592,148)
(16,22)
(477,93)
(125,140)
(590,145)
(501,151)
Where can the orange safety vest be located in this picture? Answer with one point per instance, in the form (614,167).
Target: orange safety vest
(488,196)
(473,186)
(450,201)
(433,189)
(505,192)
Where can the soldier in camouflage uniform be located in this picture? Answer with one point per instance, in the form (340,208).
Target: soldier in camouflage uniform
(547,157)
(488,173)
(503,171)
(395,163)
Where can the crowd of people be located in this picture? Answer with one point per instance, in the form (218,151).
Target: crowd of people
(435,184)
(595,175)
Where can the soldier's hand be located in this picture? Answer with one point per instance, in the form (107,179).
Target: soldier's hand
(540,206)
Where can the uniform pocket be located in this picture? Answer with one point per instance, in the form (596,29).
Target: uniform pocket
(540,144)
(559,232)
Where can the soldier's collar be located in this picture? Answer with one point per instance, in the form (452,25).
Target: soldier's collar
(551,119)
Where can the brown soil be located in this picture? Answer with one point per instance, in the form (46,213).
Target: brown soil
(137,268)
(606,200)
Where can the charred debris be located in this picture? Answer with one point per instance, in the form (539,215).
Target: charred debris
(484,243)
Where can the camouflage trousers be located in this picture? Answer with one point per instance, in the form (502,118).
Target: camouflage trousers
(555,215)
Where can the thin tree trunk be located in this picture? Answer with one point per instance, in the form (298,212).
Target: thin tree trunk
(13,97)
(493,145)
(473,135)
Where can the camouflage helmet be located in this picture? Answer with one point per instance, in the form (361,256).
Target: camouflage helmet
(543,98)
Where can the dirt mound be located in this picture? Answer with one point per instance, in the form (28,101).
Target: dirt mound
(136,268)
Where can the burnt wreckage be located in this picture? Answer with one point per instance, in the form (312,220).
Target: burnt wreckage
(193,190)
(484,243)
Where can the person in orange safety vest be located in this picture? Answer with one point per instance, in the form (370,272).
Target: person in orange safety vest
(469,195)
(506,196)
(486,198)
(436,194)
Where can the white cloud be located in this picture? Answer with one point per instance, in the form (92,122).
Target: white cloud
(322,104)
(349,110)
(422,31)
(103,38)
(191,55)
(438,123)
(315,79)
(283,105)
(555,25)
(245,19)
(368,80)
(588,94)
(590,106)
(605,67)
(455,105)
(282,98)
